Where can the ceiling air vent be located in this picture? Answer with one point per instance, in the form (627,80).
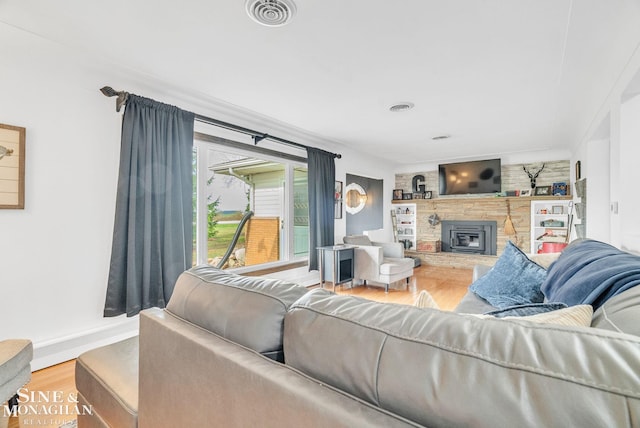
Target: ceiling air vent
(272,13)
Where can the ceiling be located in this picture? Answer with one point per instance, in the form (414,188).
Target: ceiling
(497,76)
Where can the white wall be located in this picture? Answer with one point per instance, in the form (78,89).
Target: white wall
(615,231)
(54,254)
(629,206)
(609,154)
(597,168)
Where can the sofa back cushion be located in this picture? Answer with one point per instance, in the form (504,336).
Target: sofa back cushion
(446,369)
(356,240)
(247,310)
(620,313)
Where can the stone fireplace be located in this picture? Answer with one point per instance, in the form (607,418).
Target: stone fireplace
(488,209)
(469,236)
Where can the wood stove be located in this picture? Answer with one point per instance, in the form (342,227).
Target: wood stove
(475,237)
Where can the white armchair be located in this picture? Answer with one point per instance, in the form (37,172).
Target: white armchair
(381,262)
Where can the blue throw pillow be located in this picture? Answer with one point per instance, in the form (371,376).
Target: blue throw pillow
(513,280)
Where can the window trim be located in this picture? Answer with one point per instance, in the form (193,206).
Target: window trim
(207,138)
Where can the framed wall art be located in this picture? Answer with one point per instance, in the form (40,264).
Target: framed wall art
(543,191)
(338,199)
(559,189)
(397,194)
(12,160)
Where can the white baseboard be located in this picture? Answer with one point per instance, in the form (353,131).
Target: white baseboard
(59,350)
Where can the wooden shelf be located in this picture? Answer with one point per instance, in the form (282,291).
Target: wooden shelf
(486,198)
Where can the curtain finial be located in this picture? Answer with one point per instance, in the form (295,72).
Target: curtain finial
(108,91)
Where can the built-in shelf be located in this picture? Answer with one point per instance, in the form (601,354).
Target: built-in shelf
(404,223)
(550,222)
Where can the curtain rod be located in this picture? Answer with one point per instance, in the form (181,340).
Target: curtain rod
(257,136)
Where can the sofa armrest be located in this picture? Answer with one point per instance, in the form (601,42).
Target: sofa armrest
(478,271)
(15,366)
(391,249)
(368,259)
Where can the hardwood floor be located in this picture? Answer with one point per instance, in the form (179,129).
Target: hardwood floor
(446,285)
(50,390)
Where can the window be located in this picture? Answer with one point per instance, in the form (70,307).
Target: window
(230,182)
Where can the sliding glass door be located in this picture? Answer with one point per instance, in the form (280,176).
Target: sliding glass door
(230,183)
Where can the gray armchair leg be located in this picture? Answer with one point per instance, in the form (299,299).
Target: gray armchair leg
(386,288)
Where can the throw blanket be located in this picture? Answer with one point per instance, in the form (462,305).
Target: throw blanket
(590,272)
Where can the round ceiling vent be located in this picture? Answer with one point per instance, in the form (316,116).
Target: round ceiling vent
(401,107)
(272,13)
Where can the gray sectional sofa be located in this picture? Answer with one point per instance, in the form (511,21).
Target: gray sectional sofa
(233,351)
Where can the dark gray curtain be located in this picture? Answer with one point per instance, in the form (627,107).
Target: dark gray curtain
(152,237)
(321,171)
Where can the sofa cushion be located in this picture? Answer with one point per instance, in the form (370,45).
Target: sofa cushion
(544,259)
(107,380)
(579,315)
(620,313)
(572,315)
(556,313)
(471,303)
(392,266)
(591,272)
(356,240)
(247,310)
(425,300)
(513,280)
(526,310)
(412,361)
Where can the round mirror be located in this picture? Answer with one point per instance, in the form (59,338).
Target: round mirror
(355,198)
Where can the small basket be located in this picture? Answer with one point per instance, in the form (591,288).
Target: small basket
(429,246)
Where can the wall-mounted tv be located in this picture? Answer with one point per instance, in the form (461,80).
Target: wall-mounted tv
(461,178)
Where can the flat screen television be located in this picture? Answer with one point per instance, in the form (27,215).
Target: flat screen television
(461,178)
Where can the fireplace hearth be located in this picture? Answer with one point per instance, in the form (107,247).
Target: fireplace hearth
(475,237)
